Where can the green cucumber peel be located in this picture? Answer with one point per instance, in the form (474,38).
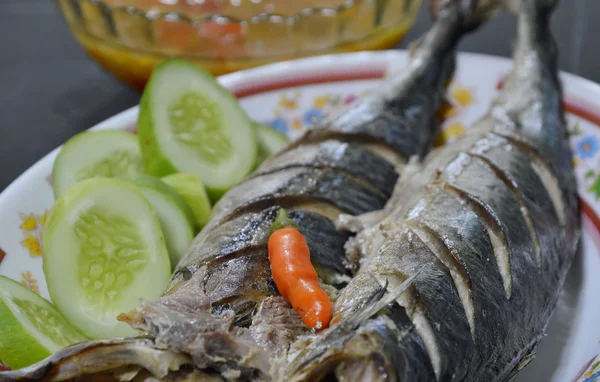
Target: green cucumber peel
(101,153)
(103,250)
(189,123)
(32,328)
(175,216)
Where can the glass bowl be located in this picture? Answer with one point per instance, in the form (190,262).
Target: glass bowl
(130,37)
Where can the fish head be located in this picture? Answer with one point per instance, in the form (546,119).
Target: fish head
(363,344)
(348,352)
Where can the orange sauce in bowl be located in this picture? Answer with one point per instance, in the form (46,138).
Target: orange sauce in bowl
(130,47)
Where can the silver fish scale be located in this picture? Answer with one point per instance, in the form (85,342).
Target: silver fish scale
(392,121)
(335,188)
(443,306)
(516,166)
(481,184)
(447,222)
(465,237)
(349,158)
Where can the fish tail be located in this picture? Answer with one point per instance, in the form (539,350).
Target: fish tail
(534,20)
(467,14)
(531,98)
(431,69)
(453,20)
(534,5)
(529,110)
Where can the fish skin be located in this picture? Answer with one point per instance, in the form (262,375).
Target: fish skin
(482,181)
(402,110)
(517,169)
(443,307)
(408,100)
(238,276)
(401,357)
(302,183)
(350,158)
(398,117)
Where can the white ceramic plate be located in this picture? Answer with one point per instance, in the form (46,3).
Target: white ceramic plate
(293,95)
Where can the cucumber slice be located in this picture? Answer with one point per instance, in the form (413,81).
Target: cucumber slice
(190,123)
(104,153)
(270,141)
(32,329)
(191,189)
(175,216)
(103,251)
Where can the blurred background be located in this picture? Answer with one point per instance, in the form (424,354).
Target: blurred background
(50,88)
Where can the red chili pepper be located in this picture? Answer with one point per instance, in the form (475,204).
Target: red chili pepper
(294,274)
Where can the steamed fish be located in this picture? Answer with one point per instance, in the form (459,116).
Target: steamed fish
(221,316)
(487,227)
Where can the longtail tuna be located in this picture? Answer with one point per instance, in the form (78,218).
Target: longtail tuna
(221,316)
(487,227)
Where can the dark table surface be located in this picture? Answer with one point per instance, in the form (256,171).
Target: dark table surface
(50,89)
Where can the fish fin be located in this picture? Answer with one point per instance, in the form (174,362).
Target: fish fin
(514,6)
(473,12)
(355,224)
(529,355)
(414,46)
(381,298)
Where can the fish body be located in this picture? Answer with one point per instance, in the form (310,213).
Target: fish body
(346,165)
(487,227)
(216,318)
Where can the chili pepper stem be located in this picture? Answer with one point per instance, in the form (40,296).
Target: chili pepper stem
(281,221)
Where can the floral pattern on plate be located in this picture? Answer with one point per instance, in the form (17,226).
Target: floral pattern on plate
(294,112)
(590,372)
(32,226)
(28,281)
